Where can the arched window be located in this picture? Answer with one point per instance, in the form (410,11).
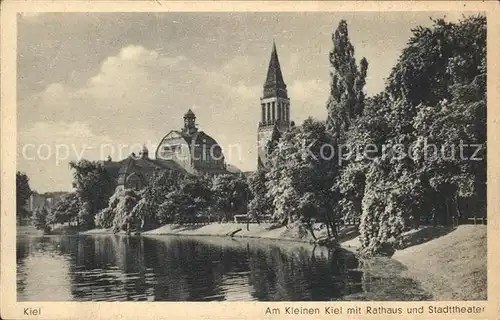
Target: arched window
(134,181)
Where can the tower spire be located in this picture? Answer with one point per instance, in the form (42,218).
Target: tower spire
(274,109)
(274,85)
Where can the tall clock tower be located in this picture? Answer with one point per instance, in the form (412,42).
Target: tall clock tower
(274,109)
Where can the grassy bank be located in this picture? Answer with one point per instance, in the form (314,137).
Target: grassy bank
(240,230)
(452,266)
(28,231)
(439,263)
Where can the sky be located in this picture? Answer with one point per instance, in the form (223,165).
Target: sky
(91,85)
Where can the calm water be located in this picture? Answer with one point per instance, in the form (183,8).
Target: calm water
(115,267)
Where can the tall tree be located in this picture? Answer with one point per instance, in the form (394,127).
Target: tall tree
(347,98)
(189,198)
(434,102)
(94,186)
(199,195)
(23,193)
(154,195)
(65,210)
(437,58)
(125,218)
(302,171)
(39,219)
(345,105)
(260,204)
(230,194)
(119,213)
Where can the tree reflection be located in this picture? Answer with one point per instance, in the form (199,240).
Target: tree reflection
(115,267)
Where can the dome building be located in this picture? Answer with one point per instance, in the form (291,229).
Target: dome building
(188,150)
(192,149)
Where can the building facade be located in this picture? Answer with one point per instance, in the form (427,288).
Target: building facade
(274,109)
(188,150)
(135,171)
(192,149)
(39,200)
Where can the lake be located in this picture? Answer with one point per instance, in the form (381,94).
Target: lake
(175,268)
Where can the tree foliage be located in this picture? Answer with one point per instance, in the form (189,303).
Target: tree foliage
(347,98)
(65,210)
(154,195)
(230,194)
(299,181)
(433,105)
(345,105)
(94,186)
(169,197)
(191,199)
(39,218)
(260,204)
(23,193)
(120,213)
(438,57)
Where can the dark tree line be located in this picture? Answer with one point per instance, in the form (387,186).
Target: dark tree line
(434,99)
(23,193)
(173,197)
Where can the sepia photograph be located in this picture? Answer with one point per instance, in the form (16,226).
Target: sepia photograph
(268,156)
(356,135)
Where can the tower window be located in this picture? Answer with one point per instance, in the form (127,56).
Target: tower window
(274,110)
(268,112)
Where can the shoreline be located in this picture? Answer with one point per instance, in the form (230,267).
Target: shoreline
(457,258)
(430,256)
(346,240)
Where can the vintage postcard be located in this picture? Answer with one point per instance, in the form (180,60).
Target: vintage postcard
(249,160)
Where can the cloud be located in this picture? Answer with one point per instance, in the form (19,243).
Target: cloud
(139,95)
(134,85)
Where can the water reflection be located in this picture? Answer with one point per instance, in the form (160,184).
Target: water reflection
(115,267)
(42,263)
